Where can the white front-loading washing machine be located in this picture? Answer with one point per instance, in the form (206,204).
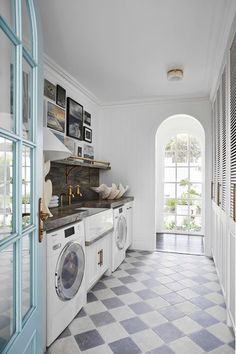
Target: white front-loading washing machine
(66,293)
(119,236)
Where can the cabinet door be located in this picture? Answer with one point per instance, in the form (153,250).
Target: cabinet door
(103,254)
(91,265)
(129,217)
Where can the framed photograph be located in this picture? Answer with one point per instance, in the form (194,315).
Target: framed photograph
(70,144)
(55,117)
(61,96)
(87,118)
(79,151)
(49,90)
(87,135)
(89,152)
(74,119)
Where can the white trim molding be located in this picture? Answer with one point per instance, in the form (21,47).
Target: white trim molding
(51,64)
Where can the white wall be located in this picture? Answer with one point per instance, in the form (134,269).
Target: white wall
(57,75)
(127,139)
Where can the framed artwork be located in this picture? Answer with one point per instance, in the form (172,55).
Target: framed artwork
(89,152)
(87,118)
(74,119)
(87,135)
(49,90)
(61,96)
(55,117)
(79,151)
(70,144)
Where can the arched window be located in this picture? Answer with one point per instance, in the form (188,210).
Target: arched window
(182,180)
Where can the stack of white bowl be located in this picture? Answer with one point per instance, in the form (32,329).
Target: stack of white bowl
(112,192)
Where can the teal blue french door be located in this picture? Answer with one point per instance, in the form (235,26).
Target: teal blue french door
(20,132)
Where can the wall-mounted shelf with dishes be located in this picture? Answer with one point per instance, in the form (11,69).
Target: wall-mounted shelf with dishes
(86,162)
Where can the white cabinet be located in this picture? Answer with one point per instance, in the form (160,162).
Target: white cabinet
(129,219)
(98,260)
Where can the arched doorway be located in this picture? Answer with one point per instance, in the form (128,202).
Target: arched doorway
(180,187)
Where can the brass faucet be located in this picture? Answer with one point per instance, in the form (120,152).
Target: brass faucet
(62,195)
(70,194)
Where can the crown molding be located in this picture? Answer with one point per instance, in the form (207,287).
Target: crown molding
(222,50)
(52,65)
(155,100)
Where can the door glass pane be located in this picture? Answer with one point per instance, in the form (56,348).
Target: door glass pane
(7,318)
(6,83)
(169,190)
(182,223)
(169,158)
(182,142)
(195,224)
(195,191)
(169,174)
(26,187)
(194,151)
(182,191)
(196,208)
(195,174)
(169,206)
(182,157)
(6,194)
(182,174)
(7,11)
(169,222)
(182,208)
(26,274)
(26,100)
(26,27)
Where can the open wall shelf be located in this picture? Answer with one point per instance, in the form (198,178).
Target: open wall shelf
(75,161)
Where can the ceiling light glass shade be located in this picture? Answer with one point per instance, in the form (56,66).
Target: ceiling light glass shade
(175,74)
(53,148)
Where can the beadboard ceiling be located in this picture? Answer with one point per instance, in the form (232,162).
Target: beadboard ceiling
(120,50)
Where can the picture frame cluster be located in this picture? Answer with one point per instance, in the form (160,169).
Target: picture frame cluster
(68,117)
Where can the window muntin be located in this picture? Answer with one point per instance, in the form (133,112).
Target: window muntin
(182,184)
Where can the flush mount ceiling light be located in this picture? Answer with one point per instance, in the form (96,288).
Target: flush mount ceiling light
(175,74)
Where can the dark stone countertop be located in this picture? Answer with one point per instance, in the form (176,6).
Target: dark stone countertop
(106,203)
(68,214)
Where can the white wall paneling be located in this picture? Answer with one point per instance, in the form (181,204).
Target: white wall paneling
(128,140)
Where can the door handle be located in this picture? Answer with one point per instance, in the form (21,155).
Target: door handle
(100,253)
(42,217)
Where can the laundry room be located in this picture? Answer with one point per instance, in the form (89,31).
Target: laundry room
(117,176)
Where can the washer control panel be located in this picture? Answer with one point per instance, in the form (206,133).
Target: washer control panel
(58,238)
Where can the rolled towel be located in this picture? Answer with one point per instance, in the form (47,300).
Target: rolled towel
(54,198)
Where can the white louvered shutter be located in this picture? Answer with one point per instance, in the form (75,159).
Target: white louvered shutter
(224,137)
(232,125)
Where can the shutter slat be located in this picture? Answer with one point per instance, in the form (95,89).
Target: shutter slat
(232,124)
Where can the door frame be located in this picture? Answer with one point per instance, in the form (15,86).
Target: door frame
(28,336)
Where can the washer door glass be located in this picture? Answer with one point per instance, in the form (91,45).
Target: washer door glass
(121,232)
(70,270)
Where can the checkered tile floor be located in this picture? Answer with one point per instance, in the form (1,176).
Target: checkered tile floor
(154,303)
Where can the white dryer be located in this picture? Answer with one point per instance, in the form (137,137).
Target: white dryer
(119,237)
(66,293)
